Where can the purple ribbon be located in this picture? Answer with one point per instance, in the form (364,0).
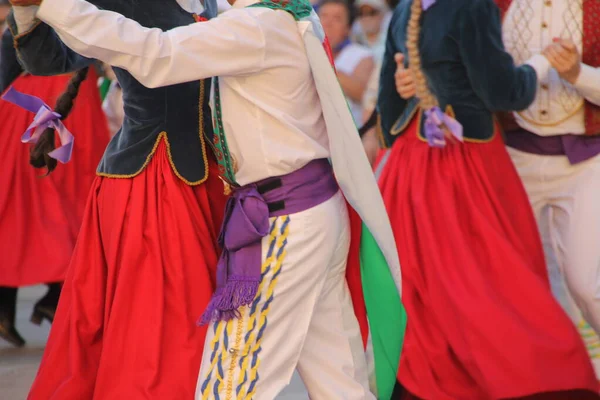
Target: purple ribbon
(425,4)
(435,123)
(44,118)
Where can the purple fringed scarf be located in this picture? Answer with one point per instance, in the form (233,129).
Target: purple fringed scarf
(246,222)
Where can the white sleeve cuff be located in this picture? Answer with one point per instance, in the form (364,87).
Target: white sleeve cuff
(540,64)
(588,83)
(25,18)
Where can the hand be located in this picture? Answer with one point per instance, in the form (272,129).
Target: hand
(565,58)
(25,3)
(405,83)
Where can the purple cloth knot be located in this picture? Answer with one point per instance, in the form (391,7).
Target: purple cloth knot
(435,123)
(44,118)
(246,223)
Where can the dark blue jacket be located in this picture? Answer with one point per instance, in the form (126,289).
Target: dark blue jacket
(181,111)
(10,69)
(465,63)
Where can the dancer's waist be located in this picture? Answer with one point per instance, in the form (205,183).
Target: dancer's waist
(577,148)
(300,190)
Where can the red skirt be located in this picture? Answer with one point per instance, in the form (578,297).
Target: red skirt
(142,273)
(40,217)
(482,322)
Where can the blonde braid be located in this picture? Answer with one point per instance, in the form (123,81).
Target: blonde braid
(427,99)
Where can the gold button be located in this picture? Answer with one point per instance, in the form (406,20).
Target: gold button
(544,86)
(544,112)
(544,25)
(232,351)
(548,3)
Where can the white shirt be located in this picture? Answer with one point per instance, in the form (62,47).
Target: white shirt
(529,27)
(25,16)
(272,116)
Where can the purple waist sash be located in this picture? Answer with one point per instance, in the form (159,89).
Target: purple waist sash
(246,222)
(577,148)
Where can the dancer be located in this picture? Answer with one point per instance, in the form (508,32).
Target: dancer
(144,265)
(482,319)
(40,217)
(277,89)
(555,145)
(557,135)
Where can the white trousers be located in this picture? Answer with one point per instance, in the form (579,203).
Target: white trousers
(302,317)
(566,201)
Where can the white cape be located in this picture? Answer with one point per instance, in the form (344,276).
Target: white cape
(350,163)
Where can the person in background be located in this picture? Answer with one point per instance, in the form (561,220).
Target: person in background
(555,145)
(482,321)
(353,62)
(40,218)
(371,25)
(369,30)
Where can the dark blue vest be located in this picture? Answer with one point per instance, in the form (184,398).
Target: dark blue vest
(465,63)
(179,112)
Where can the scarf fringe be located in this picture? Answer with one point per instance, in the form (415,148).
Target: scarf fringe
(225,303)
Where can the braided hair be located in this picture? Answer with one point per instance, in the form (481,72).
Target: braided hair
(426,98)
(38,156)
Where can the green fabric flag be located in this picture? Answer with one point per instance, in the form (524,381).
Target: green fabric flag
(104,86)
(387,317)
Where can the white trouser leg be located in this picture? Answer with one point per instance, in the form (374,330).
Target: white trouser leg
(559,288)
(254,356)
(566,200)
(333,345)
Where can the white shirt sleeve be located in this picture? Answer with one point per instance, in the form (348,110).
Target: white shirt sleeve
(24,18)
(232,44)
(588,83)
(541,65)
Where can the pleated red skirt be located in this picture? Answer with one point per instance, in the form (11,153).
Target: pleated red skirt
(482,322)
(142,273)
(40,217)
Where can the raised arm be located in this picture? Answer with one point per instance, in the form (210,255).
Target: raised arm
(498,82)
(10,68)
(39,49)
(231,44)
